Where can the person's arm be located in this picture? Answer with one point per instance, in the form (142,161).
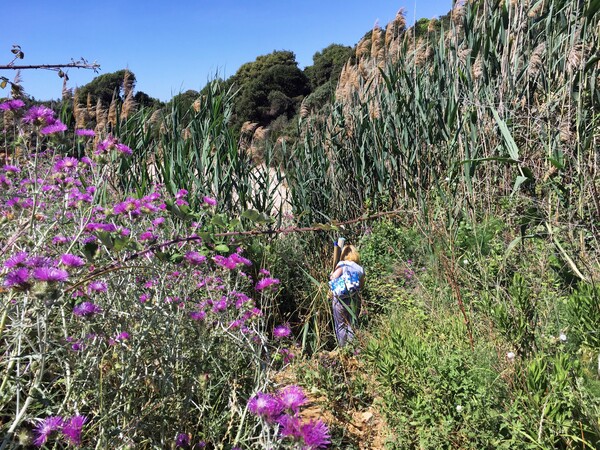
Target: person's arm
(336,273)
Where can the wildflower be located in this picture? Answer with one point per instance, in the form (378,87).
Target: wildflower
(198,315)
(70,260)
(292,397)
(315,435)
(12,105)
(264,405)
(17,278)
(264,272)
(18,259)
(238,259)
(510,356)
(145,297)
(265,283)
(562,337)
(46,427)
(122,336)
(72,429)
(39,115)
(97,286)
(85,132)
(209,201)
(50,274)
(194,258)
(147,236)
(86,309)
(56,127)
(8,168)
(182,440)
(281,331)
(66,164)
(290,426)
(220,305)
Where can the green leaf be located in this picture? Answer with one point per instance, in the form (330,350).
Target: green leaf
(120,243)
(511,145)
(218,221)
(176,258)
(90,250)
(518,182)
(222,248)
(252,215)
(105,238)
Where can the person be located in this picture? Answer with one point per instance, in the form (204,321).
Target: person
(346,281)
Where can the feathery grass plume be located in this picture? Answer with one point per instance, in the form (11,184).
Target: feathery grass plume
(78,114)
(457,13)
(463,55)
(112,112)
(186,134)
(128,106)
(536,60)
(90,110)
(197,104)
(248,128)
(574,57)
(536,9)
(477,69)
(156,117)
(564,129)
(363,48)
(395,28)
(128,83)
(432,25)
(376,40)
(101,116)
(66,92)
(304,110)
(260,134)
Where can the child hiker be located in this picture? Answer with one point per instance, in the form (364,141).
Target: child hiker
(346,280)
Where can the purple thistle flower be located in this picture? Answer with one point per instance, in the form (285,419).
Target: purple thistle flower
(50,274)
(264,405)
(281,331)
(290,426)
(17,278)
(39,261)
(66,164)
(45,428)
(72,429)
(12,105)
(86,309)
(238,259)
(85,132)
(56,127)
(265,283)
(315,435)
(18,259)
(209,201)
(181,193)
(124,149)
(194,258)
(292,397)
(122,336)
(97,286)
(220,305)
(70,260)
(198,315)
(39,115)
(182,440)
(11,169)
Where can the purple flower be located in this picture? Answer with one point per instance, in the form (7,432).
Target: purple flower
(265,283)
(17,278)
(264,405)
(85,132)
(315,435)
(292,397)
(39,115)
(56,127)
(12,105)
(209,201)
(8,168)
(220,305)
(290,426)
(182,440)
(18,259)
(97,286)
(72,429)
(86,309)
(122,336)
(66,164)
(194,258)
(70,260)
(281,331)
(44,429)
(50,274)
(198,315)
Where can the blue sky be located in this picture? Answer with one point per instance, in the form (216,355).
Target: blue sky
(173,46)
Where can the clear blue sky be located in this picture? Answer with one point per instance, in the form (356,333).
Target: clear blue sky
(173,46)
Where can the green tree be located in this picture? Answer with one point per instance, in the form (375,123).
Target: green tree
(327,65)
(269,87)
(104,87)
(144,100)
